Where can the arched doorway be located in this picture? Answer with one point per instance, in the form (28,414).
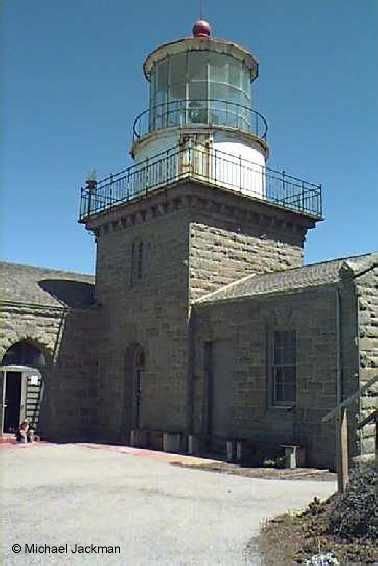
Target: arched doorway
(21,385)
(133,400)
(139,363)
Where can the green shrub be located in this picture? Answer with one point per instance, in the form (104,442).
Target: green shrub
(355,514)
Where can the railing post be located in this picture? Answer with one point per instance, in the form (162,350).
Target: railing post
(263,181)
(284,185)
(89,199)
(190,158)
(342,449)
(303,197)
(111,181)
(91,185)
(240,172)
(146,178)
(320,211)
(167,167)
(214,159)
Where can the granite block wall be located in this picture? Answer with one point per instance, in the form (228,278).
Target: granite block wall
(367,296)
(194,240)
(150,312)
(66,337)
(247,327)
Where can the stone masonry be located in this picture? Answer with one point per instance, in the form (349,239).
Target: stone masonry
(320,303)
(367,296)
(52,310)
(180,270)
(194,239)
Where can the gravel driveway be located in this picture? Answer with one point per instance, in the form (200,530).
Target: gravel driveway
(134,503)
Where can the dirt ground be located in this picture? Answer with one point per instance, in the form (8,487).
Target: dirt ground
(264,473)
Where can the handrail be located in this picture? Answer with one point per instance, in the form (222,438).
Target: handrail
(215,112)
(214,167)
(333,413)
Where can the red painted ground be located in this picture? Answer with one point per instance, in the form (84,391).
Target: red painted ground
(9,442)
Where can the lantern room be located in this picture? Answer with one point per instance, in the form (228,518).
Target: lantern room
(200,93)
(198,83)
(200,126)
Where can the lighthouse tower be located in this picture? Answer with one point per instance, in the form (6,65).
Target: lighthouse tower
(197,211)
(200,99)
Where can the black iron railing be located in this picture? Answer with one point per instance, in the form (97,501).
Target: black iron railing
(212,166)
(200,112)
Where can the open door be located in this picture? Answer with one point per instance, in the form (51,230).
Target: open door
(13,401)
(2,399)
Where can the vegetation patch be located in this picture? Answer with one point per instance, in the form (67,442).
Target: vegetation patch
(345,525)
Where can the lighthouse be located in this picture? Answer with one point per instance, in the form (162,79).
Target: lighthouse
(197,211)
(200,101)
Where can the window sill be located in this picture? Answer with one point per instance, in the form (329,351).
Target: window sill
(282,407)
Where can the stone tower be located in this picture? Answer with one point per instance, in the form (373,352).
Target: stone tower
(199,209)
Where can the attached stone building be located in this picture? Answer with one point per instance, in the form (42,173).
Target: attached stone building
(318,326)
(48,330)
(204,327)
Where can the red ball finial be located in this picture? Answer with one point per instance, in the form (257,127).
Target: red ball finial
(202,29)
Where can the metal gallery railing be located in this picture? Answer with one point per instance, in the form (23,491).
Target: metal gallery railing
(209,112)
(212,166)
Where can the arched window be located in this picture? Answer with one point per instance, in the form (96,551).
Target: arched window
(140,260)
(137,263)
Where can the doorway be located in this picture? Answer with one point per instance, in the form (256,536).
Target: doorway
(21,386)
(219,367)
(12,405)
(139,375)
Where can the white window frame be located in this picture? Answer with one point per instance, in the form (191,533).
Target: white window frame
(283,364)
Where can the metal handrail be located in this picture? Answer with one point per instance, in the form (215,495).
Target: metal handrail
(214,167)
(188,112)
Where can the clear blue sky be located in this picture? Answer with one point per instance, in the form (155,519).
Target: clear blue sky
(73,83)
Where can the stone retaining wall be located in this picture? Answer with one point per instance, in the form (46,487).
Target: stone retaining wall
(367,291)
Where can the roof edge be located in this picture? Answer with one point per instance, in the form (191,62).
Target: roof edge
(348,268)
(49,269)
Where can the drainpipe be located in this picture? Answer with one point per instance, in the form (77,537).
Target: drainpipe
(190,377)
(339,388)
(358,432)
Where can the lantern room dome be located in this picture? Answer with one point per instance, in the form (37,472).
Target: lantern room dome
(202,28)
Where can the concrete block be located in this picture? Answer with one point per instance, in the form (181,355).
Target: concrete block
(138,438)
(172,442)
(230,450)
(241,450)
(294,456)
(194,445)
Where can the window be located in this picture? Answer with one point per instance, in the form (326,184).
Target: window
(284,368)
(137,262)
(132,264)
(199,86)
(140,260)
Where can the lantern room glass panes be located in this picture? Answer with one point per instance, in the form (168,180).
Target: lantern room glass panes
(200,87)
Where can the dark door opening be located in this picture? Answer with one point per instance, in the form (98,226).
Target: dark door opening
(138,400)
(12,401)
(138,384)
